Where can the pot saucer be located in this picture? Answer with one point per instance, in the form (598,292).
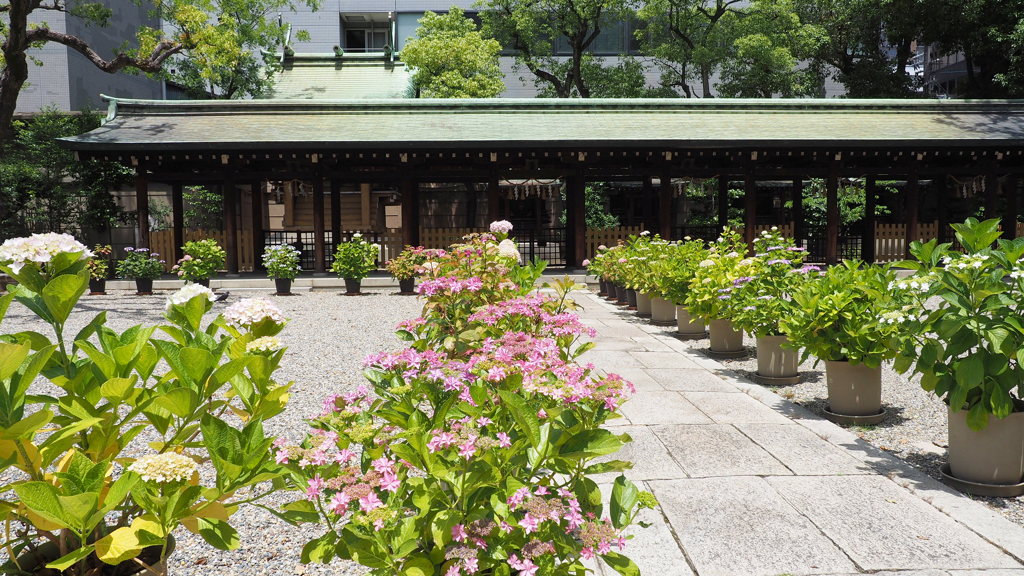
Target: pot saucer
(979,489)
(848,420)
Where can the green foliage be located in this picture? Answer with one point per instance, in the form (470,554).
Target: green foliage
(852,201)
(595,207)
(451,59)
(66,452)
(140,263)
(709,294)
(532,28)
(204,209)
(766,296)
(406,265)
(356,258)
(671,275)
(202,259)
(282,261)
(850,313)
(967,348)
(99,264)
(43,188)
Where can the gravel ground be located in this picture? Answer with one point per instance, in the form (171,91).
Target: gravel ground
(328,337)
(914,429)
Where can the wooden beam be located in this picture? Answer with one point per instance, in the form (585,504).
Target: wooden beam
(913,210)
(335,212)
(142,206)
(832,217)
(365,194)
(942,206)
(259,238)
(991,193)
(665,212)
(230,196)
(319,229)
(493,199)
(410,192)
(867,246)
(749,207)
(178,220)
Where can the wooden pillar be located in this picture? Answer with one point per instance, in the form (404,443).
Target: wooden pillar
(410,191)
(867,241)
(365,195)
(142,206)
(723,201)
(493,199)
(576,221)
(319,229)
(335,213)
(230,196)
(665,212)
(259,239)
(942,208)
(913,211)
(991,194)
(749,207)
(178,220)
(797,198)
(832,217)
(1012,206)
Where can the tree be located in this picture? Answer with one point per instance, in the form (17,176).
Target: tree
(451,59)
(867,44)
(250,72)
(595,207)
(213,46)
(763,61)
(44,189)
(534,29)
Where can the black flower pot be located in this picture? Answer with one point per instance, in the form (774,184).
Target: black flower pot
(284,286)
(631,298)
(97,287)
(144,286)
(407,286)
(352,286)
(202,282)
(620,295)
(603,291)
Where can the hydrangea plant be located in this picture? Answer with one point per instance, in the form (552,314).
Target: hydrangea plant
(766,296)
(202,259)
(140,263)
(69,454)
(282,261)
(726,267)
(355,259)
(471,452)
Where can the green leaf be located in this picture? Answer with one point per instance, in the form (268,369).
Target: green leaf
(526,418)
(970,371)
(441,527)
(592,443)
(418,565)
(621,564)
(117,389)
(218,534)
(181,402)
(43,499)
(11,357)
(320,550)
(609,466)
(68,560)
(625,496)
(62,293)
(977,417)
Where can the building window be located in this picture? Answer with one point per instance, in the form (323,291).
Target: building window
(366,32)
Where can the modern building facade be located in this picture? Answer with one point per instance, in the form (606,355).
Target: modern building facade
(68,81)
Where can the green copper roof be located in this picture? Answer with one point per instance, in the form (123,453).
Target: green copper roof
(326,77)
(551,123)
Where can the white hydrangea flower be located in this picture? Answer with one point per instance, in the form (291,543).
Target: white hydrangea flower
(188,292)
(508,248)
(893,318)
(40,248)
(1017,274)
(249,311)
(264,344)
(164,468)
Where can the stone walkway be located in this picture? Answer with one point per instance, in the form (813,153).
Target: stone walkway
(750,484)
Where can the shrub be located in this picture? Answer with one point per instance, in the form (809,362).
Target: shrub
(282,261)
(140,263)
(202,259)
(99,263)
(356,258)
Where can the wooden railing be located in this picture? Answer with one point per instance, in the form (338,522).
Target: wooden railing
(891,239)
(609,237)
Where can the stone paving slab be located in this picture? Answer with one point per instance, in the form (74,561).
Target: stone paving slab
(726,408)
(803,451)
(688,380)
(663,360)
(741,526)
(650,458)
(640,377)
(662,408)
(882,527)
(717,450)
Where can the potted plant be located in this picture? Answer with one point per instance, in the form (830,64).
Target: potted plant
(671,277)
(764,297)
(99,265)
(967,346)
(143,266)
(404,268)
(86,498)
(202,260)
(710,291)
(283,265)
(850,319)
(354,260)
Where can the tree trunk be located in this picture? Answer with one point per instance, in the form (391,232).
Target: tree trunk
(15,71)
(705,79)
